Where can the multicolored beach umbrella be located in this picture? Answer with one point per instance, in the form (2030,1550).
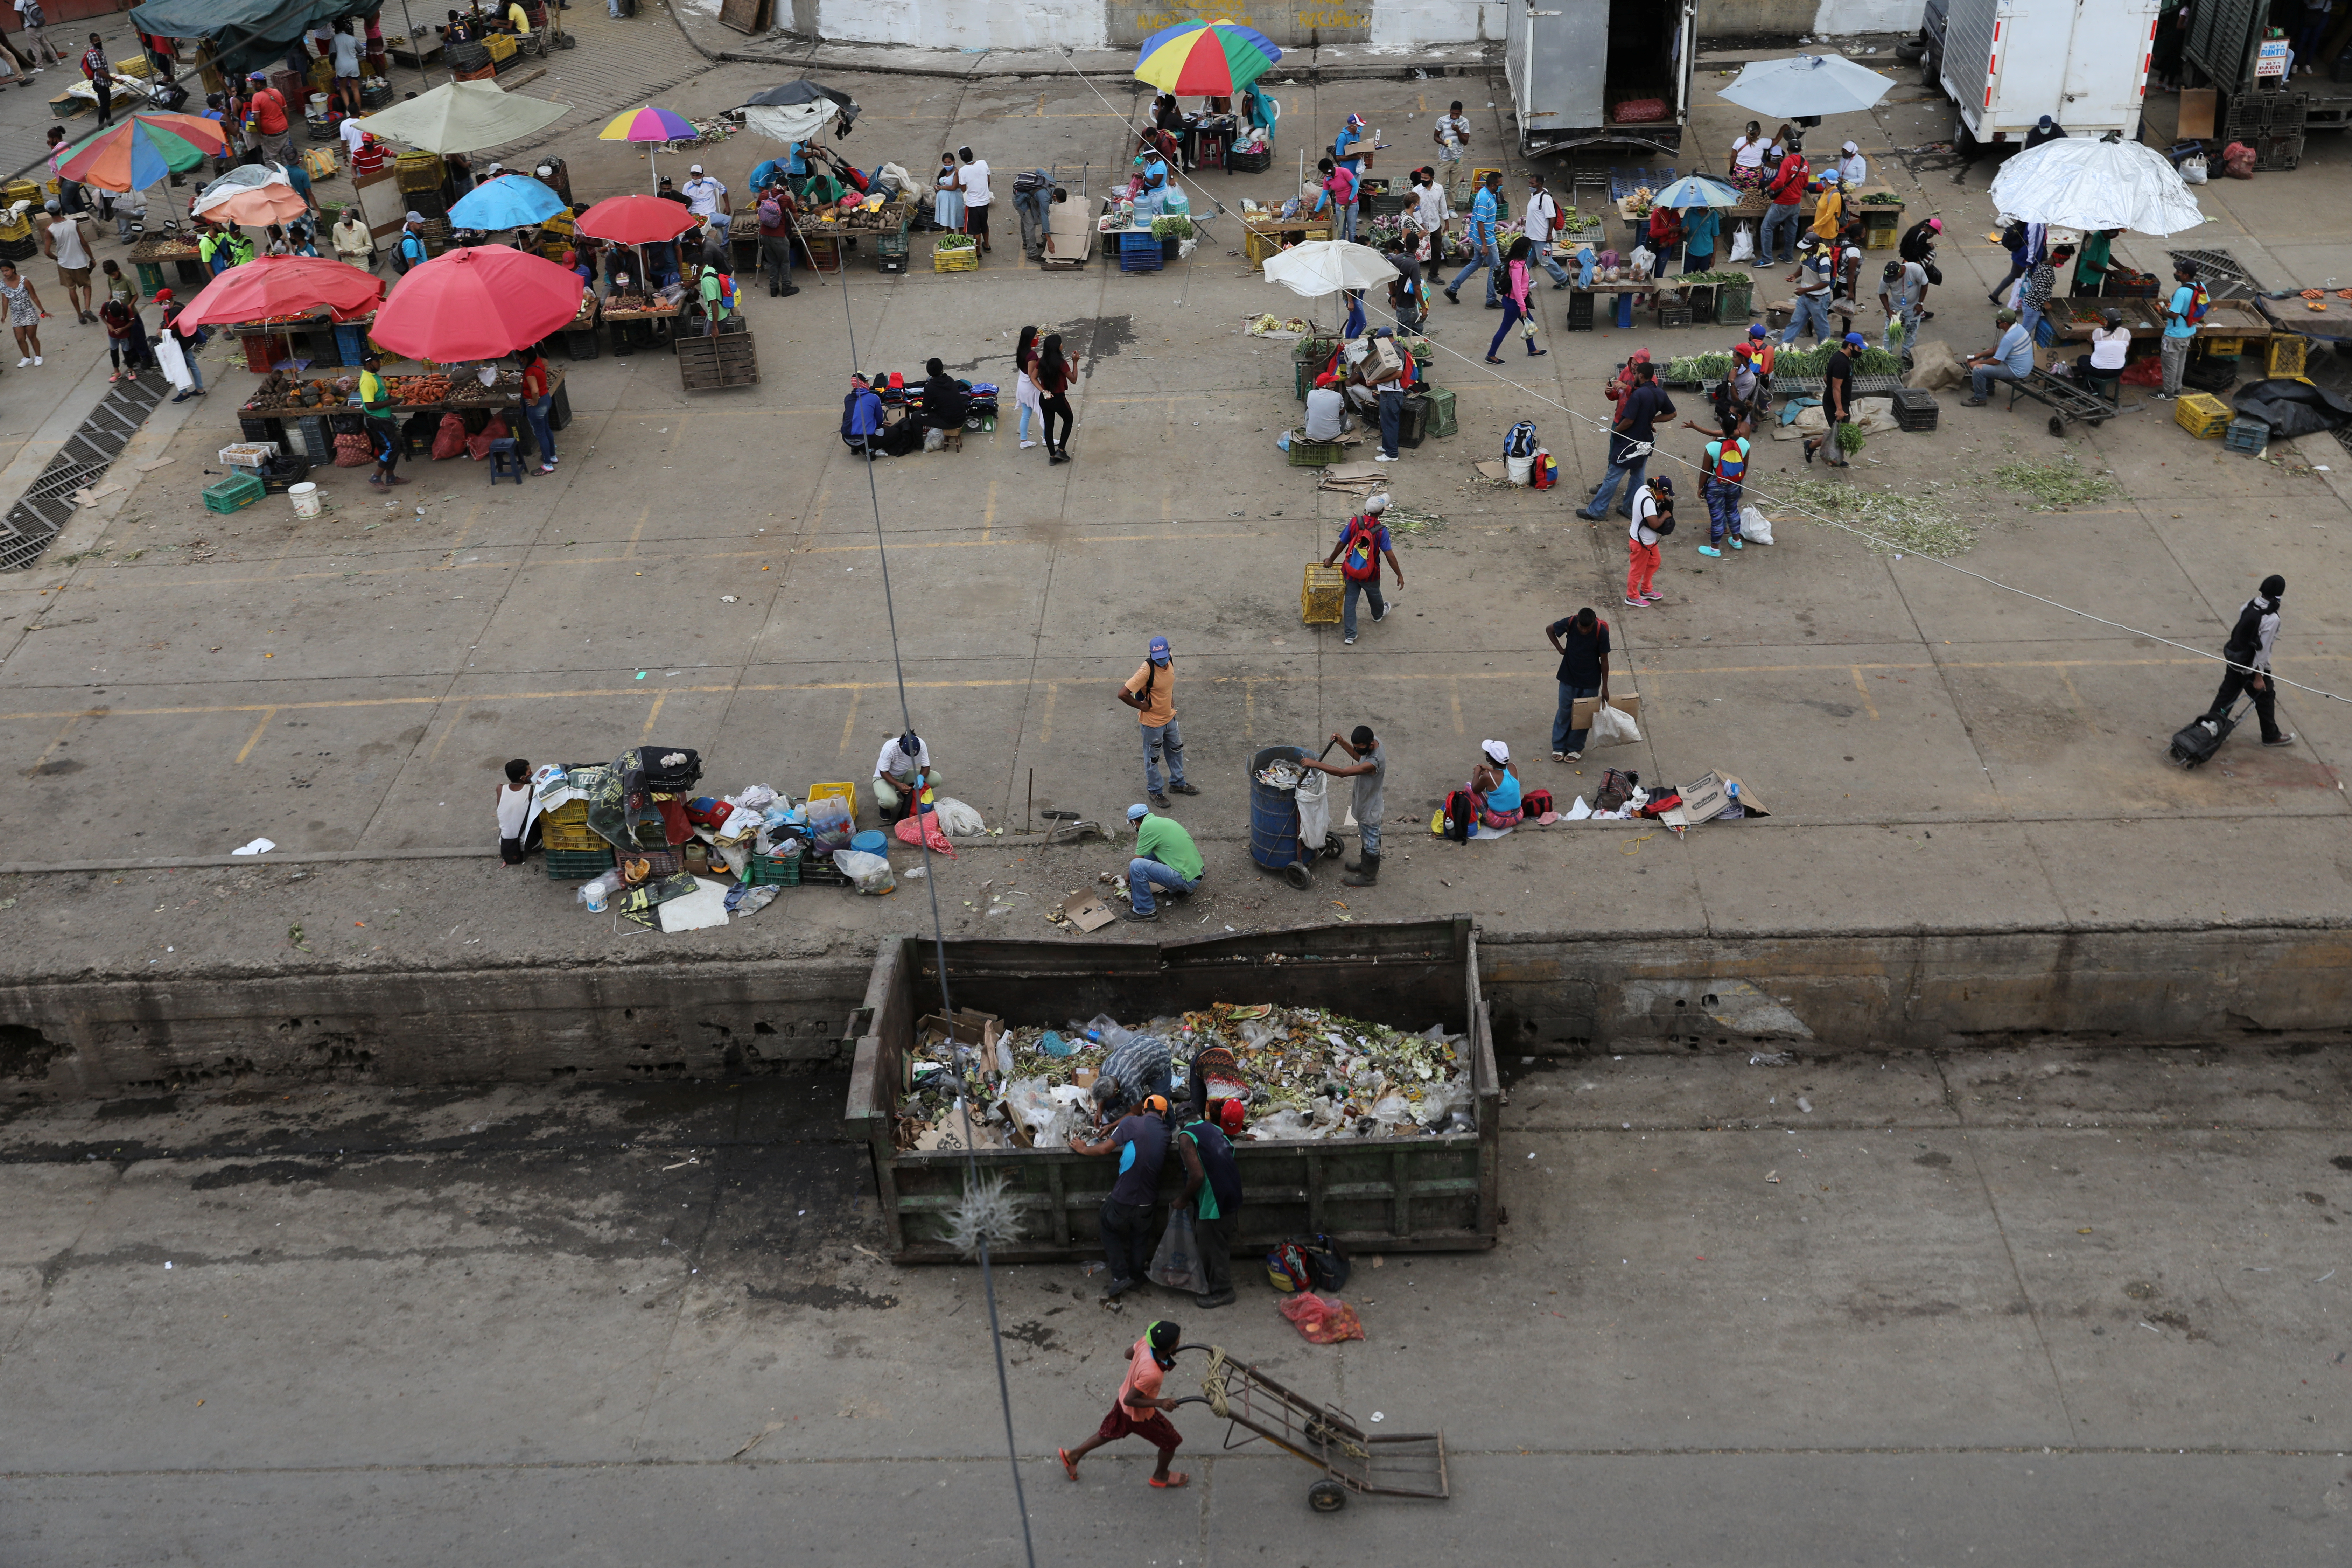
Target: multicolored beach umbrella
(1214,59)
(143,150)
(649,124)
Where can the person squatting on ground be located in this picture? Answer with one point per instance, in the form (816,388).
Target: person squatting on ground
(1165,857)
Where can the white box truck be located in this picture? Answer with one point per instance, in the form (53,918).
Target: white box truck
(1599,72)
(2007,63)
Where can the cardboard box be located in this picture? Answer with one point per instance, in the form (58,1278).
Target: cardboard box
(1087,911)
(1705,800)
(1629,703)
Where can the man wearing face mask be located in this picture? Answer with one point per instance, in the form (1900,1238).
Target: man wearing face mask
(2249,653)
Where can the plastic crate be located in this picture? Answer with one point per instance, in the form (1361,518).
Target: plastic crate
(1141,261)
(1249,163)
(2247,436)
(2288,355)
(247,454)
(1734,302)
(1441,411)
(846,792)
(1579,313)
(566,828)
(966,259)
(233,494)
(1305,454)
(1915,409)
(2222,348)
(1308,359)
(578,865)
(819,871)
(1673,316)
(1320,597)
(2202,416)
(775,870)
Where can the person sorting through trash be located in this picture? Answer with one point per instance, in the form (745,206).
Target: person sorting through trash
(1165,857)
(1134,1070)
(1369,766)
(1140,1411)
(1213,1186)
(902,774)
(1140,1140)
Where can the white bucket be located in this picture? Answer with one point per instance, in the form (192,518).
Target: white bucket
(318,104)
(1521,469)
(305,497)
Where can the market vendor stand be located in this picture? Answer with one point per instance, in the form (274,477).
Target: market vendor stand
(150,256)
(1416,1193)
(307,427)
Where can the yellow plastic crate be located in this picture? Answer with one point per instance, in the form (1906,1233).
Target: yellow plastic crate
(2202,416)
(845,792)
(2223,347)
(137,66)
(567,829)
(1320,597)
(964,260)
(2287,355)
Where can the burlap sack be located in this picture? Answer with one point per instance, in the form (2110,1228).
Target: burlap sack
(1934,367)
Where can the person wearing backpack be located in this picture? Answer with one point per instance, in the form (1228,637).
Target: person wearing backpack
(1725,470)
(775,214)
(1212,1186)
(2182,314)
(1363,541)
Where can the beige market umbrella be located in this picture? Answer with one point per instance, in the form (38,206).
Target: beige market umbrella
(461,116)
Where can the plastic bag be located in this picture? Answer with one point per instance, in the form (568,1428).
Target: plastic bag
(1049,1121)
(1743,244)
(1324,1320)
(1177,1264)
(867,873)
(595,893)
(1286,1123)
(1612,726)
(1754,526)
(2193,170)
(830,823)
(959,820)
(925,826)
(755,800)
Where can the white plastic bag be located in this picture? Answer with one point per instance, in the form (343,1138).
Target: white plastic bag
(958,820)
(1743,243)
(1754,526)
(2192,169)
(1611,727)
(867,873)
(830,823)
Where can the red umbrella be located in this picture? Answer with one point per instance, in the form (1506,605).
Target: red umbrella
(477,303)
(279,285)
(636,220)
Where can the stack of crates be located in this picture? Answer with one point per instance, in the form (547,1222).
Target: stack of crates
(1139,252)
(233,494)
(1320,598)
(318,441)
(1733,303)
(2247,436)
(2288,355)
(1306,362)
(891,251)
(773,871)
(2201,414)
(578,865)
(1915,409)
(1579,311)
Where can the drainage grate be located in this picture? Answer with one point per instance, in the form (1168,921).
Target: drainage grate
(48,505)
(2225,279)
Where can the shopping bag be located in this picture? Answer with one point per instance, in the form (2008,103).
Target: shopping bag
(1177,1264)
(1611,727)
(1743,243)
(1754,526)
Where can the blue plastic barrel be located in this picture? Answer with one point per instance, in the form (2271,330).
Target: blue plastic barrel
(1274,813)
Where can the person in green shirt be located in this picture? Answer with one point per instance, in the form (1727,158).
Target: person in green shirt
(715,290)
(2095,261)
(1213,1183)
(383,431)
(1164,858)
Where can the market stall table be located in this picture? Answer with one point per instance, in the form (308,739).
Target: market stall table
(260,339)
(2331,325)
(647,323)
(267,420)
(149,254)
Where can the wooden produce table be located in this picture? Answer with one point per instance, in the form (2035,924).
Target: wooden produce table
(2332,325)
(149,255)
(1261,237)
(646,324)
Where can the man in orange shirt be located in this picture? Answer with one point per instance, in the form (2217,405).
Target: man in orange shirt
(265,118)
(1140,1410)
(1152,692)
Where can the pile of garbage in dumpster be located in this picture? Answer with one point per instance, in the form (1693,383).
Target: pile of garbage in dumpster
(1310,1074)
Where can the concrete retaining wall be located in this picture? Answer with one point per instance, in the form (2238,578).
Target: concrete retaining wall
(99,1038)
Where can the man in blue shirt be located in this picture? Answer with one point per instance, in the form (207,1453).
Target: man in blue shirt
(1482,242)
(1348,150)
(1127,1233)
(2012,360)
(2180,313)
(861,419)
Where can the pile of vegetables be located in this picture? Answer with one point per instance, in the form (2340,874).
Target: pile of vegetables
(1171,225)
(1879,199)
(417,388)
(1700,280)
(1707,369)
(954,242)
(1638,205)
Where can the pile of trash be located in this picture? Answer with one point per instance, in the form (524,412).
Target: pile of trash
(1309,1074)
(1281,774)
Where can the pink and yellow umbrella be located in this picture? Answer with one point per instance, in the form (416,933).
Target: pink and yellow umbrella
(1214,59)
(649,124)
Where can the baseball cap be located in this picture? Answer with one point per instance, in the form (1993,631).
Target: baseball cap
(1156,1103)
(1758,330)
(1377,504)
(163,294)
(1496,751)
(1855,339)
(1138,812)
(1661,484)
(694,168)
(1849,147)
(1936,223)
(1640,356)
(1742,351)
(1160,654)
(1231,1114)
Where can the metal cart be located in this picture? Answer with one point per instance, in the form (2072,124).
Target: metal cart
(1395,1464)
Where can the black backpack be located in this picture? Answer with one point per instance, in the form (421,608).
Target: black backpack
(2013,236)
(1327,1268)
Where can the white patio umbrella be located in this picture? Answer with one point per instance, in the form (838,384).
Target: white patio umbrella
(2076,182)
(1809,85)
(1327,266)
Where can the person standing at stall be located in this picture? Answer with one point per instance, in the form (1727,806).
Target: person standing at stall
(384,434)
(972,181)
(537,402)
(95,67)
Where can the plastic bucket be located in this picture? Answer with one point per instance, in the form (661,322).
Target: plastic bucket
(1521,469)
(305,497)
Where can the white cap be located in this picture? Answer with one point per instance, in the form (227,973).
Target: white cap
(1496,751)
(694,168)
(1850,147)
(1377,505)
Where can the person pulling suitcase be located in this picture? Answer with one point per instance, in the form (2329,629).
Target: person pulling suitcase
(2251,640)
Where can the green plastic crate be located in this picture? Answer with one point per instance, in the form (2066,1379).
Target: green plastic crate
(773,871)
(578,865)
(1306,362)
(1306,454)
(1733,302)
(1440,412)
(233,494)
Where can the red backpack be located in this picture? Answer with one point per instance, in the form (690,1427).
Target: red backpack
(1361,561)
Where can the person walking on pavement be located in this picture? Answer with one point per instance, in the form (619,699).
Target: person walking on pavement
(1213,1186)
(1654,519)
(1363,541)
(1451,136)
(1902,290)
(1630,439)
(1369,766)
(1140,1140)
(1165,856)
(1518,308)
(1542,220)
(1140,1411)
(1480,236)
(1725,470)
(2249,651)
(1152,692)
(1581,640)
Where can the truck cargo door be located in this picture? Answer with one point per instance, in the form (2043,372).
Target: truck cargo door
(2031,51)
(2106,79)
(1685,45)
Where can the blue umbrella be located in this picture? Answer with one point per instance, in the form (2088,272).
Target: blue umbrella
(510,201)
(1692,191)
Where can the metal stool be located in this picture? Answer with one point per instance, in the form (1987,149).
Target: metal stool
(506,459)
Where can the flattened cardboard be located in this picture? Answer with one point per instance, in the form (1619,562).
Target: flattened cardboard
(1747,797)
(1087,911)
(1629,703)
(1703,801)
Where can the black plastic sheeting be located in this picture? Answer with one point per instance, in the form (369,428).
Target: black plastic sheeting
(2292,409)
(248,35)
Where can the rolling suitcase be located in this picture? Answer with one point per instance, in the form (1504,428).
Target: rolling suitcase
(2197,743)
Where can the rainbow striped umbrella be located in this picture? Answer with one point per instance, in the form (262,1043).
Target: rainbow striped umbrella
(143,150)
(1211,59)
(649,124)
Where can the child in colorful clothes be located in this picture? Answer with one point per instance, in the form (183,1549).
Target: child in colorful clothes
(1726,469)
(1495,785)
